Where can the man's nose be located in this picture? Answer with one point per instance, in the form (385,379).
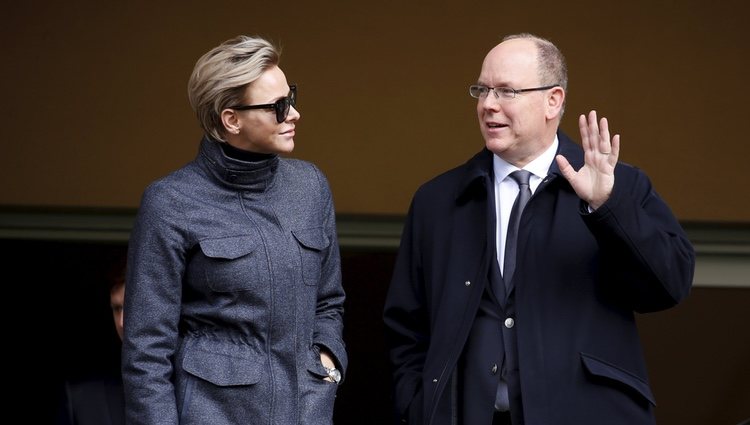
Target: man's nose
(491,102)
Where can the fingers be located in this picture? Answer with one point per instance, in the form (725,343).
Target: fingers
(590,138)
(604,145)
(584,129)
(615,148)
(595,135)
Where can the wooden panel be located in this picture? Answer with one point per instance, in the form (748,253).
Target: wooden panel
(95,107)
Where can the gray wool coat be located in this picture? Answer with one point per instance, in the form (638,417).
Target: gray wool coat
(233,285)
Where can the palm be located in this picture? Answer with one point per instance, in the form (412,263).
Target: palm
(593,183)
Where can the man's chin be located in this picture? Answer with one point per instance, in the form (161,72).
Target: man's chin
(496,145)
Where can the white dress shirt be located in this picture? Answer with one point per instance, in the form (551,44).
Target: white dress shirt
(506,191)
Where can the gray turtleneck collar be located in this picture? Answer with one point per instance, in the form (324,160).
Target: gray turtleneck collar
(254,176)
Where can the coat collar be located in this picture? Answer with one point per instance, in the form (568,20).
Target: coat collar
(477,174)
(570,150)
(478,170)
(236,174)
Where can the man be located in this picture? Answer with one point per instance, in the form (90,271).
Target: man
(100,401)
(543,333)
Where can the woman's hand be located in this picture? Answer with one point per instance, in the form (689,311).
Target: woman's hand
(327,361)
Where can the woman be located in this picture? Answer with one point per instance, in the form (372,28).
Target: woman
(234,303)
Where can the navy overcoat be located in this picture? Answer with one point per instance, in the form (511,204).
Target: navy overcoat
(579,279)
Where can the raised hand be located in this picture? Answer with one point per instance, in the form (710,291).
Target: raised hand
(593,183)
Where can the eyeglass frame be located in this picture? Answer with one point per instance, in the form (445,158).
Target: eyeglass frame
(281,106)
(509,90)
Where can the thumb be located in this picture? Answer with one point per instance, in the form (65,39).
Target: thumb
(566,169)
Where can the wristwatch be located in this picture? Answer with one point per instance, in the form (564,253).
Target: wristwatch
(334,374)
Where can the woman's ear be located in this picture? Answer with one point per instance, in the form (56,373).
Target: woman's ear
(231,121)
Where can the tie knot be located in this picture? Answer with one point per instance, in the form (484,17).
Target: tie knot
(521,177)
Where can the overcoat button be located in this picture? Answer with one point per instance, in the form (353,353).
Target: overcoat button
(509,322)
(494,369)
(467,283)
(434,380)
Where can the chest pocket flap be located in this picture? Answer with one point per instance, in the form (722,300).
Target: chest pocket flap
(313,242)
(232,263)
(230,247)
(312,238)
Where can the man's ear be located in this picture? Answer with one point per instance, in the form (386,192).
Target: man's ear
(230,121)
(555,102)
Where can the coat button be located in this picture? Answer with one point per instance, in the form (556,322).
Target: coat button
(494,369)
(434,380)
(509,322)
(467,283)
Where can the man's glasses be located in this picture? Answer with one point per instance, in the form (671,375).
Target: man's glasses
(478,91)
(281,106)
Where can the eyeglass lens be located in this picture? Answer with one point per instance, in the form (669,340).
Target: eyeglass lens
(478,91)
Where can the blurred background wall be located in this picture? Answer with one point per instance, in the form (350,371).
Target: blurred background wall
(95,107)
(95,102)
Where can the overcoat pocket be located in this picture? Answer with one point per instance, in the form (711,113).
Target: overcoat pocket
(222,363)
(605,370)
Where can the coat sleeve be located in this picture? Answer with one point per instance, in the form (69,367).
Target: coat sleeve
(645,252)
(406,322)
(156,263)
(329,322)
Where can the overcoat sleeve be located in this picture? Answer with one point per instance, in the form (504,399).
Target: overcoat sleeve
(645,251)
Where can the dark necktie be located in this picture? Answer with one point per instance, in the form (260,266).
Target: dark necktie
(521,177)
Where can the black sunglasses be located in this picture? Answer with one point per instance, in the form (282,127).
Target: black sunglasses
(281,106)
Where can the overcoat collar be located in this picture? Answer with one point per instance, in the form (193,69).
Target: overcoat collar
(570,150)
(478,169)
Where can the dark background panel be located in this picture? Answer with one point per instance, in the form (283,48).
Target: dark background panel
(57,312)
(697,353)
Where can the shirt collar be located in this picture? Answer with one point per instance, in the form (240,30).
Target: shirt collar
(538,167)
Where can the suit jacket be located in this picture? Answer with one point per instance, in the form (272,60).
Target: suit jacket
(579,279)
(93,402)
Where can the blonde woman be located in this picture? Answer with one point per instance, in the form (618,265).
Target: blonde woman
(234,302)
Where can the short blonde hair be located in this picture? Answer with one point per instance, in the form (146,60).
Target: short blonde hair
(221,75)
